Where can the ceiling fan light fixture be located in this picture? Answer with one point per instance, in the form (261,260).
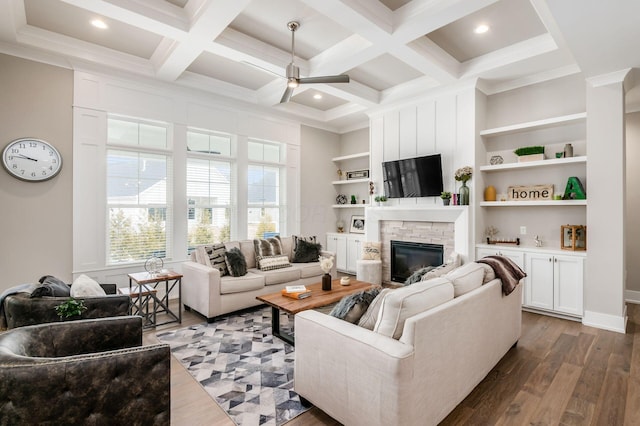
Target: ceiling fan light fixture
(481,29)
(293,83)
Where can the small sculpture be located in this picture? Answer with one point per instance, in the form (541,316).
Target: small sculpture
(538,241)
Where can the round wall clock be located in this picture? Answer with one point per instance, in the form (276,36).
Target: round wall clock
(33,160)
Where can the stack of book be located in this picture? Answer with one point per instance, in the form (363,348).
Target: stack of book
(296,291)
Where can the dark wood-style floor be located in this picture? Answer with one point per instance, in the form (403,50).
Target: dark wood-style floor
(560,373)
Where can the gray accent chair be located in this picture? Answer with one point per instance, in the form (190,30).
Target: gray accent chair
(84,372)
(20,309)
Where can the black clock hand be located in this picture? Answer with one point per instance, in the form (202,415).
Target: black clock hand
(25,157)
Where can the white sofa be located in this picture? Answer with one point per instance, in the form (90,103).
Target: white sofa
(206,292)
(418,379)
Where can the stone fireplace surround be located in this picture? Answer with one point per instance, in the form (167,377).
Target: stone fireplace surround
(446,225)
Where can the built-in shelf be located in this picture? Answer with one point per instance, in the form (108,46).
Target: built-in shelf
(533,203)
(535,125)
(350,157)
(344,182)
(350,206)
(532,164)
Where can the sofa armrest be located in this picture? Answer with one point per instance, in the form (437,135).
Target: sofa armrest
(201,288)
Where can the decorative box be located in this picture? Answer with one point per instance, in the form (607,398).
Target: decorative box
(573,237)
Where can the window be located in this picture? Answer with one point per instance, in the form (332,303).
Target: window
(210,185)
(138,182)
(265,177)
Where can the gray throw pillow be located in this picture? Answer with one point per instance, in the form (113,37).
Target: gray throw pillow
(51,286)
(297,238)
(306,252)
(268,247)
(351,308)
(417,275)
(236,263)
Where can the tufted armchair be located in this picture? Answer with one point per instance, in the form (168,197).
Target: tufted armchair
(83,372)
(20,309)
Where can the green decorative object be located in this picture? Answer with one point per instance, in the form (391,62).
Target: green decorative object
(463,194)
(574,190)
(353,199)
(70,308)
(529,150)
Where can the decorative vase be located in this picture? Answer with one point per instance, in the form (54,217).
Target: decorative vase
(446,201)
(353,199)
(463,194)
(490,193)
(326,282)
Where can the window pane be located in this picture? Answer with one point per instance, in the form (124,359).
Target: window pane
(136,234)
(209,143)
(197,142)
(209,225)
(209,182)
(272,153)
(123,132)
(153,136)
(261,220)
(256,151)
(221,144)
(136,178)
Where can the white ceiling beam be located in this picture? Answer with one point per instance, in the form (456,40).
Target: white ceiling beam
(209,21)
(511,54)
(370,19)
(353,92)
(345,55)
(218,87)
(343,111)
(427,64)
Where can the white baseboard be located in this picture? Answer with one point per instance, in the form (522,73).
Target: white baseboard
(632,296)
(606,321)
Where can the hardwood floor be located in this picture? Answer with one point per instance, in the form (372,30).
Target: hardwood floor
(560,373)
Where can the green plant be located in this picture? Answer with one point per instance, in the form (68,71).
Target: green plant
(380,198)
(445,195)
(529,150)
(70,308)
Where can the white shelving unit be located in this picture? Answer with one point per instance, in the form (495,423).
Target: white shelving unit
(352,186)
(546,123)
(534,164)
(533,203)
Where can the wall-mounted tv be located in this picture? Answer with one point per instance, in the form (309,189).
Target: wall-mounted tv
(413,177)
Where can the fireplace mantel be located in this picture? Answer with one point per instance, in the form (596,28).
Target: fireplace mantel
(458,215)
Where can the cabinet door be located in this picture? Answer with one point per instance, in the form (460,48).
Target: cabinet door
(337,244)
(568,280)
(484,252)
(354,251)
(539,281)
(331,243)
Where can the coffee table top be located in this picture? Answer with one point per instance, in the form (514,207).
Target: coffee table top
(318,296)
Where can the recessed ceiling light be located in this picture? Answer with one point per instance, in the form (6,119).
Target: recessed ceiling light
(99,23)
(317,96)
(481,29)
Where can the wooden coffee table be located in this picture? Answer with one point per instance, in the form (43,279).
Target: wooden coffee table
(318,298)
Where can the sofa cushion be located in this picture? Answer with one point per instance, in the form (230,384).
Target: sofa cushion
(369,318)
(453,262)
(236,263)
(287,246)
(51,286)
(267,247)
(213,255)
(351,308)
(489,273)
(406,302)
(248,282)
(371,250)
(249,251)
(85,286)
(279,276)
(307,270)
(269,263)
(417,275)
(306,252)
(466,278)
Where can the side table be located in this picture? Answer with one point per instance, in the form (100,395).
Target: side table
(141,296)
(171,280)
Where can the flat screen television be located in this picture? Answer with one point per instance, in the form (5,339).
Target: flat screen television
(413,177)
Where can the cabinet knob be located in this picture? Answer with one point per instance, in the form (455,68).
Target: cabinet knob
(549,259)
(555,260)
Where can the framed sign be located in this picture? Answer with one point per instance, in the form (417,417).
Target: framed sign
(530,193)
(357,225)
(358,174)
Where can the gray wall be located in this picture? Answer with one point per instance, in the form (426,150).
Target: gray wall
(632,227)
(36,225)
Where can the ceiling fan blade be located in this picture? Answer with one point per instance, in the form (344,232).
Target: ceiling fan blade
(342,78)
(286,95)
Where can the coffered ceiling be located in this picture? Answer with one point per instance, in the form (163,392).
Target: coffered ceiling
(393,50)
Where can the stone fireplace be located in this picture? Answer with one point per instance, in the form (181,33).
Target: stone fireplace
(444,225)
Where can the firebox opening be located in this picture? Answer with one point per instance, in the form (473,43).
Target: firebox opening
(407,257)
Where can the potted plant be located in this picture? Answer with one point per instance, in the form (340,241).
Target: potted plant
(70,308)
(380,199)
(446,197)
(530,153)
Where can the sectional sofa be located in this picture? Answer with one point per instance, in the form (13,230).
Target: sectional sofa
(205,291)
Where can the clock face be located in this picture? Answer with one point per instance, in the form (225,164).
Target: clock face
(33,160)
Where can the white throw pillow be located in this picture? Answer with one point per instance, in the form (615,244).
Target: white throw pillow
(369,318)
(408,301)
(84,286)
(371,250)
(466,278)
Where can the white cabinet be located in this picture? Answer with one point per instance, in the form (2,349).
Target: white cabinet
(348,249)
(555,282)
(516,256)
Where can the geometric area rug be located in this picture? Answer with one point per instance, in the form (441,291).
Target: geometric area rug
(247,371)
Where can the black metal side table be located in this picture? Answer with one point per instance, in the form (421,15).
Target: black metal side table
(171,280)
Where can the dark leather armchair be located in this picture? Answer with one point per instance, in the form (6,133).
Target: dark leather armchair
(84,372)
(20,309)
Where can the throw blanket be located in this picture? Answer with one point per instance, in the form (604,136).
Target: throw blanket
(509,273)
(22,288)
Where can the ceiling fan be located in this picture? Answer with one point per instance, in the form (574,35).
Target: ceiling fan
(293,71)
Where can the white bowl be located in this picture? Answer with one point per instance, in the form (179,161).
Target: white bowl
(345,281)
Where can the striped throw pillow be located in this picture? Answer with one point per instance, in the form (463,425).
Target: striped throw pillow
(214,256)
(267,247)
(269,263)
